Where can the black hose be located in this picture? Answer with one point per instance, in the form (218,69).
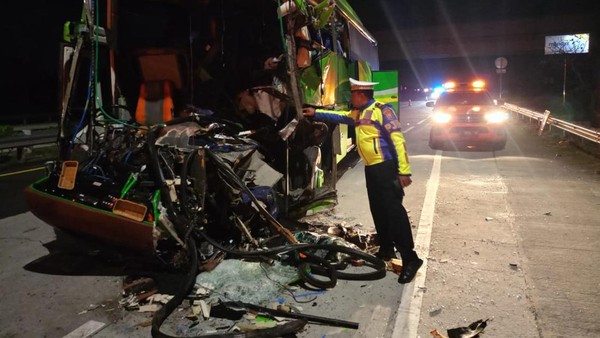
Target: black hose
(375,263)
(378,265)
(190,278)
(307,271)
(255,253)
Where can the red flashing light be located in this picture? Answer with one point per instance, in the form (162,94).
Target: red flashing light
(478,84)
(449,85)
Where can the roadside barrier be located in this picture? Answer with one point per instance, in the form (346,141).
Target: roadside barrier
(28,136)
(545,119)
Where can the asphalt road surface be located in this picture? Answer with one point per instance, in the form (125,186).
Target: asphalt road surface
(512,236)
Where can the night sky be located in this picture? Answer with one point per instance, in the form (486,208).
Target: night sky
(420,13)
(32,33)
(531,76)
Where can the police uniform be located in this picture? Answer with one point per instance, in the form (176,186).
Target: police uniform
(381,146)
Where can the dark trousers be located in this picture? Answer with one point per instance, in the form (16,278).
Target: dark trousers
(389,215)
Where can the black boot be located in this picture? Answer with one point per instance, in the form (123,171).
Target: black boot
(409,270)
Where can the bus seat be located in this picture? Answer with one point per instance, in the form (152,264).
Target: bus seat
(155,103)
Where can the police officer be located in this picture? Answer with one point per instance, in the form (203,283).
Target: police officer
(381,146)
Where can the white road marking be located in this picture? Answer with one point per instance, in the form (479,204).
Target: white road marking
(379,315)
(409,312)
(86,330)
(411,127)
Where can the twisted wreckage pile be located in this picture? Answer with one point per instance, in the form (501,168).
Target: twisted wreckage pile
(197,190)
(188,193)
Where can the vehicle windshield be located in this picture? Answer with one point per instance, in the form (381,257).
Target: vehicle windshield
(465,98)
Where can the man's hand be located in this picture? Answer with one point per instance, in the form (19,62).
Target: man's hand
(404,180)
(308,111)
(272,62)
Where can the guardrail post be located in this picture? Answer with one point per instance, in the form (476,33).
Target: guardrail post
(20,154)
(543,123)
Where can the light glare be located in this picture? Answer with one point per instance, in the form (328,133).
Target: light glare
(496,117)
(441,118)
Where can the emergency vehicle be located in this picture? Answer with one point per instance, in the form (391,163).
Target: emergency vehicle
(466,114)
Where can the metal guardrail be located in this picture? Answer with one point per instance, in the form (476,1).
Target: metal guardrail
(20,141)
(29,136)
(546,119)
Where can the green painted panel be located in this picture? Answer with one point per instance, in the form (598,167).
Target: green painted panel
(364,71)
(386,90)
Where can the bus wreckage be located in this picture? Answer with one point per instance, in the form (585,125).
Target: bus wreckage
(181,129)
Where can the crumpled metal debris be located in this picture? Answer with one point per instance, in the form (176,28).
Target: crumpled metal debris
(474,330)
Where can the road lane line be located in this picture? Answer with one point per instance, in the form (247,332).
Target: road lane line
(409,312)
(86,330)
(22,171)
(423,120)
(411,127)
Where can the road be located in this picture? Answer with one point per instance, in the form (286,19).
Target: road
(512,236)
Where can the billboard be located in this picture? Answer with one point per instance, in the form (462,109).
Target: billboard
(567,44)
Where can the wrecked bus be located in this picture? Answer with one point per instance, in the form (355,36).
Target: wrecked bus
(148,87)
(181,131)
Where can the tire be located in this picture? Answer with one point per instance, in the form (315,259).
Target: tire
(499,145)
(435,145)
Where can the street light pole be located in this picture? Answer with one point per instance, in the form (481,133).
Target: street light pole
(500,94)
(501,64)
(564,93)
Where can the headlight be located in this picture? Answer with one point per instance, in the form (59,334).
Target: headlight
(441,117)
(496,117)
